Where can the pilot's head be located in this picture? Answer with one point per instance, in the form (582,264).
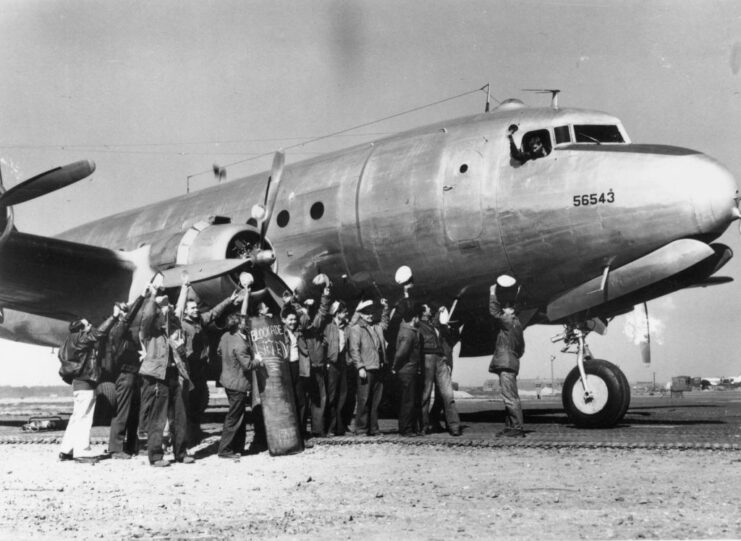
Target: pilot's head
(536,145)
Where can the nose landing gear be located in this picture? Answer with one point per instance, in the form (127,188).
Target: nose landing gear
(596,393)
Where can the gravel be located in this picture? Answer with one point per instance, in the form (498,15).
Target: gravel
(376,492)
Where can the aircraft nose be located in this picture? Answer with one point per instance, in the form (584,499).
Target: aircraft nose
(714,194)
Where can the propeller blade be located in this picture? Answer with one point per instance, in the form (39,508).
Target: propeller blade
(198,272)
(47,182)
(645,343)
(271,191)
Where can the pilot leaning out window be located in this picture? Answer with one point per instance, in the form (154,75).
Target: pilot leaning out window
(533,147)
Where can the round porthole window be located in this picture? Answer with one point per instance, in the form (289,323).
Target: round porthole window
(317,210)
(282,219)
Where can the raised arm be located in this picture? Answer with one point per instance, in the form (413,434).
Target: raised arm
(149,317)
(384,323)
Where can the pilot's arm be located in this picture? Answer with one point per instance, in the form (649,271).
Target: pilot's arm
(515,152)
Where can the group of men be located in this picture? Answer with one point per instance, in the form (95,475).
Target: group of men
(339,366)
(159,373)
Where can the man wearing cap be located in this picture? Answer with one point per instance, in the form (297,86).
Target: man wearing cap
(449,337)
(311,326)
(368,355)
(237,362)
(509,347)
(336,343)
(81,347)
(407,367)
(194,325)
(436,372)
(298,363)
(161,372)
(123,351)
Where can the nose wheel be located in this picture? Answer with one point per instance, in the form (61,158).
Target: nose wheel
(607,398)
(596,393)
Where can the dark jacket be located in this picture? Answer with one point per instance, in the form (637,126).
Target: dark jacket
(407,358)
(155,339)
(431,341)
(510,342)
(85,347)
(196,340)
(236,362)
(332,343)
(312,331)
(367,343)
(122,350)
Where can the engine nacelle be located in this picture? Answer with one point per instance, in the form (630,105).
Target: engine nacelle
(209,241)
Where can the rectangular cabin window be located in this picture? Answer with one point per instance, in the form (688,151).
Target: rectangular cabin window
(562,134)
(597,133)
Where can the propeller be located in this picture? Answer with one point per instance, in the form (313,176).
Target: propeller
(263,213)
(47,182)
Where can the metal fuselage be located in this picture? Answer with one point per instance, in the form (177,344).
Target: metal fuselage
(448,201)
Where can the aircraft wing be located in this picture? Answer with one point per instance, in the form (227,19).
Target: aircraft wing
(60,279)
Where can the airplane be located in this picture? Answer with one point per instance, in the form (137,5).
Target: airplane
(596,227)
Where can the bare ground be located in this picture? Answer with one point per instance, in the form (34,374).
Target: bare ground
(376,491)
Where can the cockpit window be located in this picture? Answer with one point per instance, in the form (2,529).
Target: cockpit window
(562,134)
(531,139)
(597,133)
(535,144)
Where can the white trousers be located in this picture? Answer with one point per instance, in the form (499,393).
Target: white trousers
(77,436)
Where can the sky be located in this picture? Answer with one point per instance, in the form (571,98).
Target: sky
(157,92)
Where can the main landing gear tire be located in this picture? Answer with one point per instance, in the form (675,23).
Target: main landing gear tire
(610,395)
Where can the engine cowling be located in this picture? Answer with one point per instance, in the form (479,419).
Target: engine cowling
(209,241)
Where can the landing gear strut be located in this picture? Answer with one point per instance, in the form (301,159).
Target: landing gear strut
(596,393)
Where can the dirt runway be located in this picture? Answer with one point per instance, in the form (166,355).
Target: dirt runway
(672,470)
(376,491)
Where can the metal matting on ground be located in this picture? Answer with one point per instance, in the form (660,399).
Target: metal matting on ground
(705,421)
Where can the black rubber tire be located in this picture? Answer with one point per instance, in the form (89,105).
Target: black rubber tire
(617,401)
(626,393)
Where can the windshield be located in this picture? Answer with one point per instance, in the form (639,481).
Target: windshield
(597,133)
